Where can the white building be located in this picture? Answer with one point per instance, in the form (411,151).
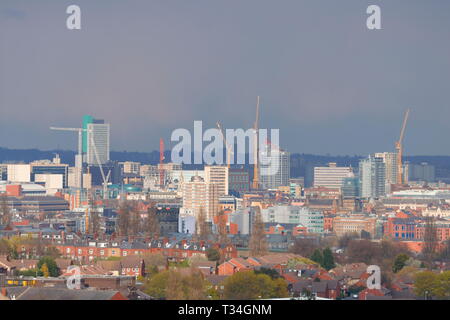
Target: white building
(199,195)
(219,176)
(97,142)
(19,173)
(372,177)
(331,176)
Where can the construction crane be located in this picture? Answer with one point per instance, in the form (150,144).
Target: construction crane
(79,159)
(161,162)
(227,145)
(255,184)
(399,149)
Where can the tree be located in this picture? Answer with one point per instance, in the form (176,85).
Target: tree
(444,254)
(152,227)
(5,213)
(94,221)
(154,261)
(328,259)
(222,227)
(425,283)
(123,221)
(344,241)
(45,271)
(442,289)
(304,246)
(213,254)
(134,222)
(363,251)
(429,241)
(272,273)
(5,247)
(50,265)
(156,285)
(400,262)
(173,285)
(203,228)
(258,243)
(317,256)
(246,285)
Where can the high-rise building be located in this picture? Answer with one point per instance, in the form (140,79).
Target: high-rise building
(238,181)
(199,195)
(350,187)
(372,177)
(274,168)
(421,172)
(95,140)
(331,176)
(390,163)
(219,176)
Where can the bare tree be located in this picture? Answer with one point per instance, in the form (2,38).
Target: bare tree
(258,243)
(152,226)
(429,241)
(222,228)
(135,221)
(5,213)
(123,221)
(94,221)
(203,228)
(304,246)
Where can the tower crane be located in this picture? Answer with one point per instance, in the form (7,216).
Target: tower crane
(399,149)
(79,159)
(227,145)
(255,183)
(161,163)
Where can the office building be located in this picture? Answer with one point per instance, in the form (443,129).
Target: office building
(354,224)
(198,196)
(274,168)
(331,176)
(372,177)
(238,181)
(217,175)
(390,164)
(96,140)
(19,173)
(131,167)
(350,188)
(421,172)
(312,219)
(50,168)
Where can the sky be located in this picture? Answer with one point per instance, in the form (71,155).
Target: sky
(149,67)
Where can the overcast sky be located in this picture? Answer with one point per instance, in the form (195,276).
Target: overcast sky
(148,67)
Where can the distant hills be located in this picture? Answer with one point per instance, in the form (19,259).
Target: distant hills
(301,164)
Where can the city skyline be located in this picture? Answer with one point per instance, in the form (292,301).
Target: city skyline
(148,69)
